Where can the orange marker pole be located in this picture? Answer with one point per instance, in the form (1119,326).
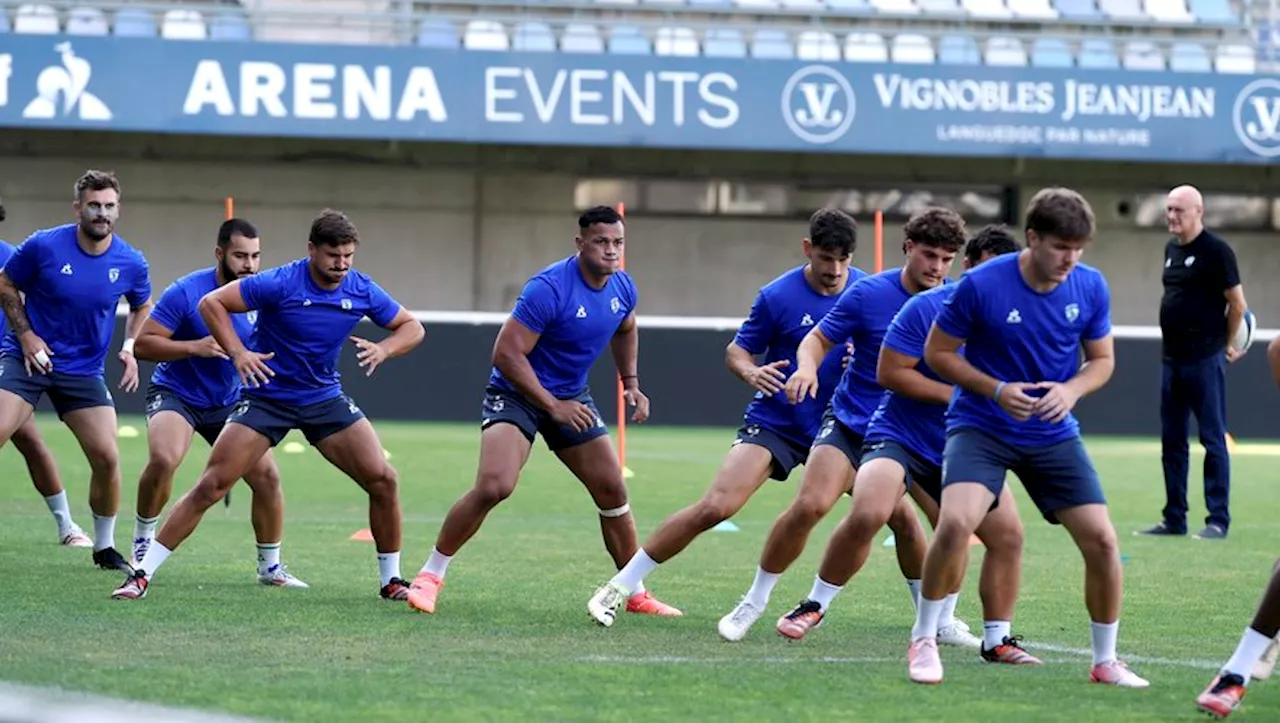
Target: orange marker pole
(879,241)
(622,402)
(229,203)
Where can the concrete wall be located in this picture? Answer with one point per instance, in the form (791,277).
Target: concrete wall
(460,228)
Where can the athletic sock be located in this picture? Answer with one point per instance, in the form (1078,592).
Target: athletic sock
(437,564)
(61,512)
(948,617)
(762,588)
(268,557)
(823,592)
(632,575)
(144,528)
(927,618)
(1104,641)
(104,532)
(994,632)
(388,566)
(155,557)
(914,587)
(1253,645)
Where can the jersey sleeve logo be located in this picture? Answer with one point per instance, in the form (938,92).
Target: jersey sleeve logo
(1073,312)
(806,321)
(346,304)
(1190,260)
(615,305)
(252,316)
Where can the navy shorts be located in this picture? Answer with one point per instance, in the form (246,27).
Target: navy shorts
(67,392)
(501,406)
(835,433)
(316,421)
(1057,477)
(207,422)
(919,471)
(787,455)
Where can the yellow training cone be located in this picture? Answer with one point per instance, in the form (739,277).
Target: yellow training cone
(294,448)
(127,431)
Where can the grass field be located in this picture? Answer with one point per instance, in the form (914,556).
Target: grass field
(511,638)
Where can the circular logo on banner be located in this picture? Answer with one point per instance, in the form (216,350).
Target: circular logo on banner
(1256,117)
(818,104)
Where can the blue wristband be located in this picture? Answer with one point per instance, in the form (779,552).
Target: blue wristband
(996,396)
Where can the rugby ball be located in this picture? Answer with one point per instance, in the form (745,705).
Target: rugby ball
(1244,335)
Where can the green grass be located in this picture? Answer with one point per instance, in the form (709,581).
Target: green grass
(511,638)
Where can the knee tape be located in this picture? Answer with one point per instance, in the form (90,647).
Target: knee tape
(616,511)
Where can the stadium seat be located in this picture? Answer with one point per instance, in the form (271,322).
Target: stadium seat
(533,38)
(1098,55)
(987,9)
(943,8)
(87,21)
(771,45)
(711,3)
(1126,10)
(1215,12)
(230,26)
(817,45)
(896,7)
(36,20)
(958,50)
(850,7)
(183,24)
(1077,9)
(485,35)
(1189,58)
(581,38)
(1236,59)
(1036,9)
(1051,53)
(1168,11)
(629,40)
(912,49)
(676,41)
(437,33)
(757,5)
(725,43)
(804,5)
(865,48)
(134,23)
(663,2)
(1142,55)
(1006,53)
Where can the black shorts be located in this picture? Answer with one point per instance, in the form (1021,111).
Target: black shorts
(207,422)
(919,471)
(316,421)
(67,392)
(503,407)
(787,455)
(834,433)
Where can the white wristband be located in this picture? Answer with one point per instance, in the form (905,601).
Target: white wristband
(127,346)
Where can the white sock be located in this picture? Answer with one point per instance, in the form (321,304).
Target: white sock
(762,588)
(948,617)
(144,528)
(927,618)
(268,557)
(823,592)
(104,532)
(388,566)
(1252,645)
(155,557)
(914,587)
(639,590)
(61,513)
(994,632)
(437,564)
(1104,642)
(632,574)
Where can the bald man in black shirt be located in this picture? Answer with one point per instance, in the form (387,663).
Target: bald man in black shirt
(1203,307)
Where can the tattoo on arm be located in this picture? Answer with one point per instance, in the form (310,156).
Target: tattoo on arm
(13,309)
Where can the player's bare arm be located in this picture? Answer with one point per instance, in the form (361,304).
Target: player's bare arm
(804,382)
(156,343)
(216,309)
(35,353)
(625,347)
(1236,306)
(897,372)
(406,333)
(1099,364)
(138,315)
(511,357)
(942,354)
(769,378)
(1273,359)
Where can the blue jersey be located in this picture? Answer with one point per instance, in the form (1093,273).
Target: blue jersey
(921,426)
(202,383)
(71,296)
(1016,334)
(7,250)
(306,327)
(574,323)
(863,312)
(785,310)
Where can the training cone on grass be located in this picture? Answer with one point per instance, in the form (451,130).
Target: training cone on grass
(127,431)
(1231,444)
(364,535)
(726,526)
(293,448)
(627,473)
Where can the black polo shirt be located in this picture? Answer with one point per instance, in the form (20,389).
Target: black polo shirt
(1193,319)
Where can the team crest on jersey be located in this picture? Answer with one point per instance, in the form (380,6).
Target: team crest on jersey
(1073,312)
(614,304)
(346,304)
(252,316)
(113,274)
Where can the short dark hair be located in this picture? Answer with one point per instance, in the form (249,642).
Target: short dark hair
(993,239)
(96,181)
(333,228)
(937,227)
(2,214)
(235,227)
(598,214)
(1061,213)
(831,229)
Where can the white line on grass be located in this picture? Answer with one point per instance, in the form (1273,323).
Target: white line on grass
(31,704)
